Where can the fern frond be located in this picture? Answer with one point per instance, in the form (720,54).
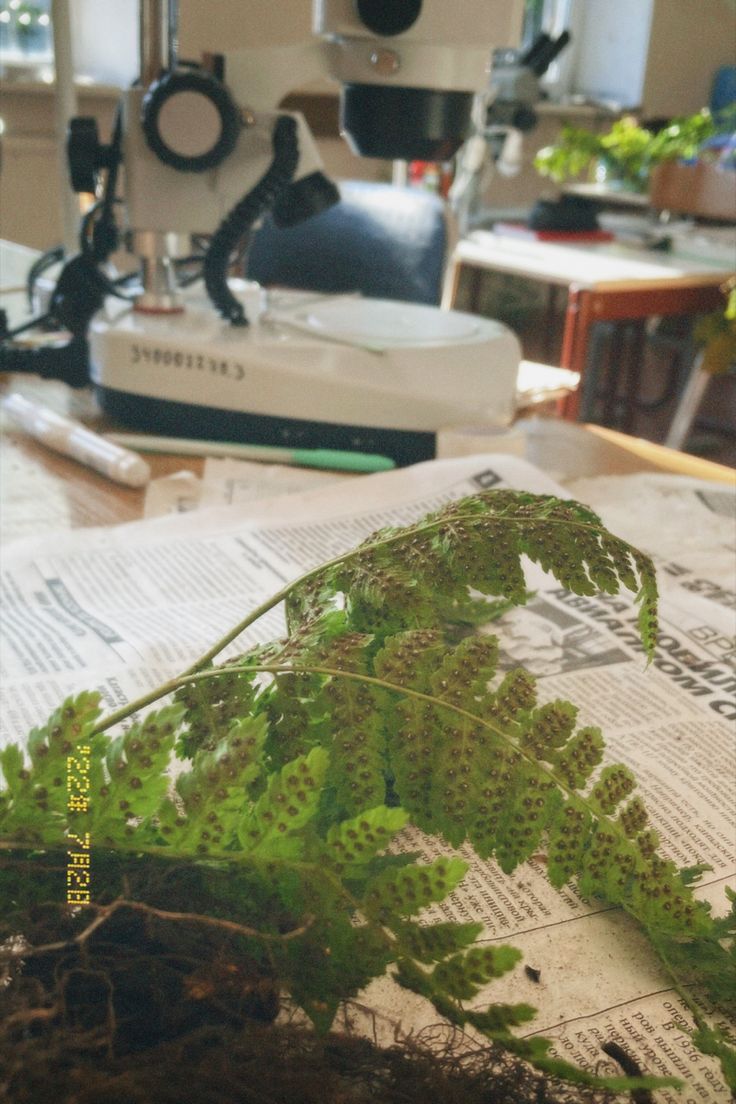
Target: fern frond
(399,577)
(353,843)
(507,785)
(463,975)
(134,781)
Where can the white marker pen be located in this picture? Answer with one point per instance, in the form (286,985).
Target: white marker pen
(72,439)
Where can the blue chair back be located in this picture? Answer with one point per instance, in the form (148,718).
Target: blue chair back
(723,92)
(382,241)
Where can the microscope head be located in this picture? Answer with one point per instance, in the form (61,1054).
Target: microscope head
(409,69)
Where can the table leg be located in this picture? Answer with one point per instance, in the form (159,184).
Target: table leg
(615,361)
(550,316)
(451,284)
(634,372)
(688,404)
(451,287)
(578,321)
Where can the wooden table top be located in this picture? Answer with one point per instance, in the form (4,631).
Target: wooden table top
(41,491)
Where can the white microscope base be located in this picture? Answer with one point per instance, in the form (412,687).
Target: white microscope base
(336,372)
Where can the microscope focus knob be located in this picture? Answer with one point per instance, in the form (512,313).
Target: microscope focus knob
(190,120)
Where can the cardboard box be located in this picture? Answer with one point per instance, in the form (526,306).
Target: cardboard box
(704,189)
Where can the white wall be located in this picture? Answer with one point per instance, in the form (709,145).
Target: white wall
(659,55)
(690,39)
(105,40)
(221,25)
(611,53)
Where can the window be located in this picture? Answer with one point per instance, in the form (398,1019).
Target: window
(25,33)
(104,40)
(606,59)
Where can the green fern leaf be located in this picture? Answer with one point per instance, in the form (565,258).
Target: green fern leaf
(216,789)
(12,763)
(550,727)
(529,808)
(132,784)
(578,759)
(663,903)
(406,892)
(463,746)
(289,802)
(463,675)
(569,832)
(463,975)
(38,794)
(712,1040)
(613,785)
(211,705)
(410,659)
(434,942)
(513,699)
(355,730)
(293,727)
(399,578)
(353,843)
(412,745)
(462,776)
(496,1020)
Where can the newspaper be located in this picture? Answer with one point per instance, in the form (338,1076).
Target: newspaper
(122,609)
(226,481)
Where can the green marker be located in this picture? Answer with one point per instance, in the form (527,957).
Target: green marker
(330,459)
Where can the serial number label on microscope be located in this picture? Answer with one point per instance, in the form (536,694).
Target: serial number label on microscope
(192,362)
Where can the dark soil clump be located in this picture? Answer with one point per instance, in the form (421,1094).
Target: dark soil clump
(148,1012)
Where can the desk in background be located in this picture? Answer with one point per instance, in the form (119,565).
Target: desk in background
(604,195)
(41,491)
(605,282)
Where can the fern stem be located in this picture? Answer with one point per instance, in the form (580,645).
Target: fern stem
(152,696)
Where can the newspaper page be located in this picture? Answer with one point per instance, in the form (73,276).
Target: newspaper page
(124,608)
(227,481)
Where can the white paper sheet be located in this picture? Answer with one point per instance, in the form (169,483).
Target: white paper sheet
(229,482)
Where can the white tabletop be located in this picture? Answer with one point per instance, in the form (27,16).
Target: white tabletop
(593,263)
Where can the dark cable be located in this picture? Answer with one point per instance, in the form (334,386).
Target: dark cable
(105,237)
(68,362)
(39,266)
(79,293)
(243,216)
(30,325)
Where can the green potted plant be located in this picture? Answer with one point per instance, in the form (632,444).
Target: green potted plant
(625,155)
(259,878)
